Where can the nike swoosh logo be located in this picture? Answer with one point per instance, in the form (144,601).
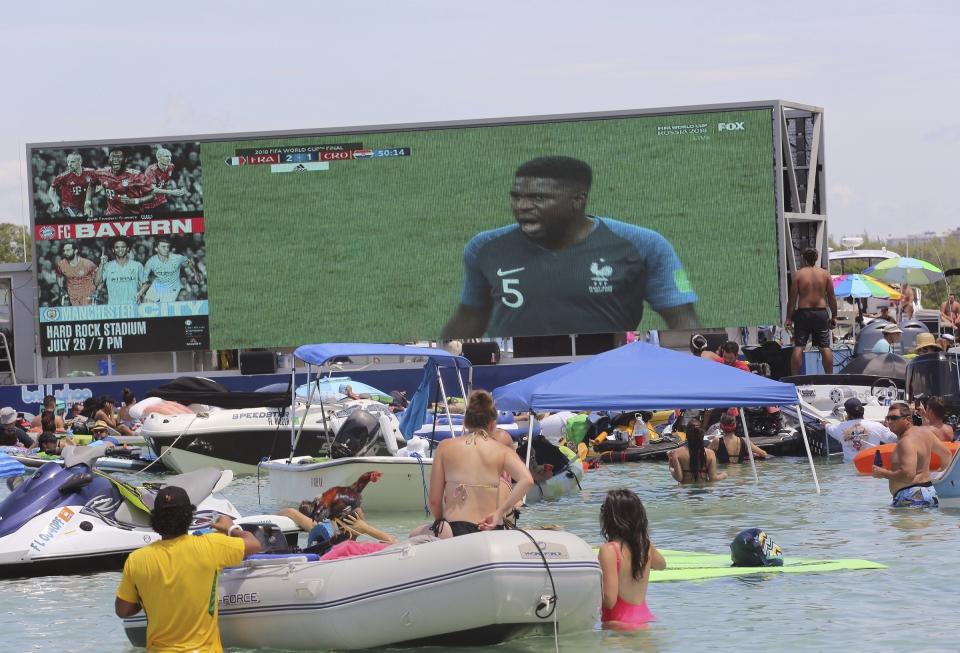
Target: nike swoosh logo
(503,273)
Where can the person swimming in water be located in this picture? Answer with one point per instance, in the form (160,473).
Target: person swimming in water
(694,463)
(625,561)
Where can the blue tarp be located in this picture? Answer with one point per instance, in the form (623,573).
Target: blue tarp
(642,376)
(320,354)
(415,413)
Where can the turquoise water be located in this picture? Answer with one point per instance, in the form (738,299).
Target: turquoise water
(886,610)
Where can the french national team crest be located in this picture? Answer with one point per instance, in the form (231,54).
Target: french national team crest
(601,272)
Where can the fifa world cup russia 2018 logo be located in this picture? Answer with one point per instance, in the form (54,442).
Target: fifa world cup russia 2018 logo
(46,233)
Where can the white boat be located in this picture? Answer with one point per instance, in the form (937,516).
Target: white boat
(827,393)
(478,589)
(403,483)
(239,439)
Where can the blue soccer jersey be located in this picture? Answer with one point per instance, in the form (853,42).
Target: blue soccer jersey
(596,286)
(123,281)
(166,277)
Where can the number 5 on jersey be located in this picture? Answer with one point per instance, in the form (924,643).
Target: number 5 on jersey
(512,297)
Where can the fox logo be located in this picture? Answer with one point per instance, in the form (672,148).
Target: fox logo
(731,127)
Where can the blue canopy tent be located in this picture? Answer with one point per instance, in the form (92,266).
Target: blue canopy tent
(432,382)
(640,376)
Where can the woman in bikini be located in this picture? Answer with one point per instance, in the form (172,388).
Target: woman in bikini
(731,448)
(465,478)
(626,561)
(694,463)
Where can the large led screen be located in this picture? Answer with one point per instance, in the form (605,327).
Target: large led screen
(120,251)
(544,228)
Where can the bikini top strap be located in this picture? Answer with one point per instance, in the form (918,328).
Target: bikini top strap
(616,549)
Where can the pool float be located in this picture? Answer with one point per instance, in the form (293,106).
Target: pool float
(866,459)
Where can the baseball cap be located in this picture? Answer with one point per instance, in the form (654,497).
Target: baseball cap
(948,337)
(8,416)
(852,405)
(172,496)
(891,328)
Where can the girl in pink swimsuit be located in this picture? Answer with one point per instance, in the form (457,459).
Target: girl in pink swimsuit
(626,560)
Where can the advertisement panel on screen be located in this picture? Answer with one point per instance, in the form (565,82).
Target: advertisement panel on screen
(120,251)
(522,228)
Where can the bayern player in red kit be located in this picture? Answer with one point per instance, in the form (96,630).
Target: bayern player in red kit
(71,191)
(127,190)
(158,174)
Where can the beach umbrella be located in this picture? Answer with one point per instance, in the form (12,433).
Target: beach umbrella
(10,466)
(904,269)
(861,285)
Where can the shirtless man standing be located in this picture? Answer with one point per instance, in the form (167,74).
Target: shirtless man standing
(950,313)
(909,473)
(811,291)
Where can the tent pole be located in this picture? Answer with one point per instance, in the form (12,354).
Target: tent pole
(446,400)
(749,445)
(463,390)
(293,408)
(806,443)
(529,437)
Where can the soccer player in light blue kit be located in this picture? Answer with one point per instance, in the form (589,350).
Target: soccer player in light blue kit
(561,271)
(123,275)
(164,267)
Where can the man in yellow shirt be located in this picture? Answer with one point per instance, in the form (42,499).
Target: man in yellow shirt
(175,578)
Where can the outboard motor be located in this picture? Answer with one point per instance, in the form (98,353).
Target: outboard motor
(762,421)
(359,433)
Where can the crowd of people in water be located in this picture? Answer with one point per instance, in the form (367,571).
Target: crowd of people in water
(49,432)
(478,482)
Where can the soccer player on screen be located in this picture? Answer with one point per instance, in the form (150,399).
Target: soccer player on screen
(127,189)
(158,175)
(76,275)
(71,191)
(164,268)
(123,276)
(561,271)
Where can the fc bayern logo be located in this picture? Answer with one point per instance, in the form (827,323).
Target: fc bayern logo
(46,233)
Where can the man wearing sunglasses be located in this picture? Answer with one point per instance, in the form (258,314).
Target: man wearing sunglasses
(909,473)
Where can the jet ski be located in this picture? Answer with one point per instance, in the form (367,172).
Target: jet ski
(74,519)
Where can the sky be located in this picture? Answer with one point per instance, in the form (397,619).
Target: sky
(886,73)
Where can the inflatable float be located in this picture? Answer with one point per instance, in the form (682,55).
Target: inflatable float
(947,485)
(866,459)
(479,589)
(556,486)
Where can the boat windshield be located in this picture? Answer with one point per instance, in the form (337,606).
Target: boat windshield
(933,375)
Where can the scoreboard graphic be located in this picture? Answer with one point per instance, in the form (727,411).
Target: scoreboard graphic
(311,157)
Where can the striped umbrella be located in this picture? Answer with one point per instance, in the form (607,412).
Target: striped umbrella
(861,285)
(10,466)
(904,269)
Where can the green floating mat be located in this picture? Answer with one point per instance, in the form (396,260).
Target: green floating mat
(687,565)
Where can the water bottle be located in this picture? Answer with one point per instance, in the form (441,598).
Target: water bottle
(877,458)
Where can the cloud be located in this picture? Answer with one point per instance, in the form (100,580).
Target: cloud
(842,194)
(745,40)
(942,134)
(182,116)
